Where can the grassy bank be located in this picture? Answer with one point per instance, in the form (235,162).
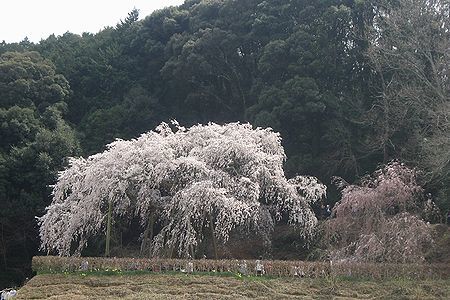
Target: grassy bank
(276,268)
(130,285)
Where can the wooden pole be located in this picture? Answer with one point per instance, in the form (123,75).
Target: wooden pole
(148,233)
(108,230)
(211,224)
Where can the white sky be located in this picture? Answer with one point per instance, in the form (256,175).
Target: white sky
(37,19)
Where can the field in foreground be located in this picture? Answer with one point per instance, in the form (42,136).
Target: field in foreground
(179,286)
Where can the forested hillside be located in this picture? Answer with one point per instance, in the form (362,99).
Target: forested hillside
(349,84)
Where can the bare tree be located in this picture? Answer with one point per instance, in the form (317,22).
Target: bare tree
(410,53)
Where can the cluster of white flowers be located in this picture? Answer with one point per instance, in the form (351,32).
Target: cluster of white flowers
(231,175)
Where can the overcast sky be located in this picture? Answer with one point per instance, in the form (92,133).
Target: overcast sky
(37,19)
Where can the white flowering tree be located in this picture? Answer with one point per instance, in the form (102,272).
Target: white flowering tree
(208,179)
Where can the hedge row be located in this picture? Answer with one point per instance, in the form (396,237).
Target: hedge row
(55,264)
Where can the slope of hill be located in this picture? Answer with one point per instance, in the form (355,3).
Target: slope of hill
(163,286)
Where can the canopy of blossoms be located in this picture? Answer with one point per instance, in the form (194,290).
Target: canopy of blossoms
(216,176)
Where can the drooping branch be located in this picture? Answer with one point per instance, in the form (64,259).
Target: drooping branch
(232,174)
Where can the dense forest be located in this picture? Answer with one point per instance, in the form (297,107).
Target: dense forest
(349,84)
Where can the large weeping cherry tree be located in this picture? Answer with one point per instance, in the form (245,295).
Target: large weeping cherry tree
(204,180)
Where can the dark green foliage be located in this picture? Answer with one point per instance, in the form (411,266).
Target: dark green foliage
(35,140)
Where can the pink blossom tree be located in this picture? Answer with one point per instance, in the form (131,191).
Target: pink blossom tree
(378,219)
(207,179)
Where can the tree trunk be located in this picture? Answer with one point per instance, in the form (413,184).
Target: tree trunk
(4,248)
(108,230)
(191,251)
(148,233)
(214,243)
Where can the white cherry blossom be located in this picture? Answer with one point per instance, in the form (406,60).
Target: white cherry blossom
(207,176)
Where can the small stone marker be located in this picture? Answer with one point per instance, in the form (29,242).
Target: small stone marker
(84,265)
(190,267)
(259,268)
(243,268)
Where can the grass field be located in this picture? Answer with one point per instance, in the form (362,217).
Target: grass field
(180,286)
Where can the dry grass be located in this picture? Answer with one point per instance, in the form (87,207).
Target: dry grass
(179,286)
(277,268)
